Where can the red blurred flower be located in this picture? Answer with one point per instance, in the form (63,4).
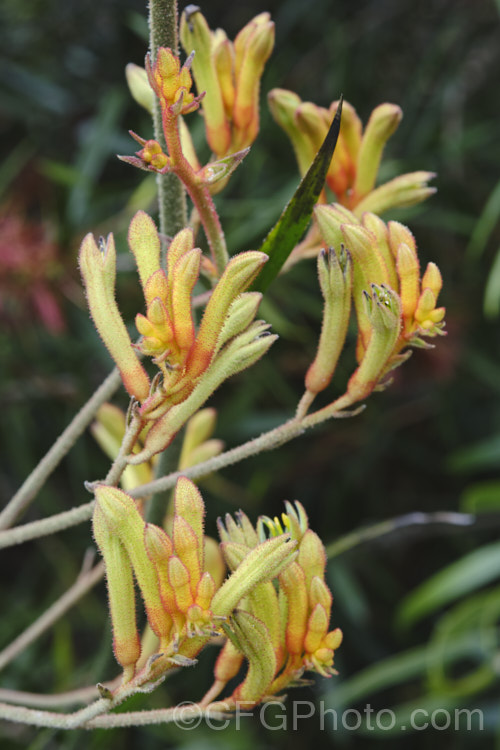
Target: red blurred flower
(29,271)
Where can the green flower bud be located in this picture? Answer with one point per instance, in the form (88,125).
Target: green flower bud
(98,268)
(257,646)
(405,190)
(126,641)
(335,277)
(383,122)
(263,563)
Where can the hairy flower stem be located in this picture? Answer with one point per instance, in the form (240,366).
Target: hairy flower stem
(304,404)
(198,192)
(27,492)
(163,25)
(38,718)
(268,441)
(82,513)
(46,526)
(129,440)
(52,700)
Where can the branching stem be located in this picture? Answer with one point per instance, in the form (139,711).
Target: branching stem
(60,448)
(82,720)
(81,513)
(268,441)
(83,584)
(198,192)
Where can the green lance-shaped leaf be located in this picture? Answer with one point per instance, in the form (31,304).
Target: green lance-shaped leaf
(293,222)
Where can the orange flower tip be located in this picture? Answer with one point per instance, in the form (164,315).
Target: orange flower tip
(136,382)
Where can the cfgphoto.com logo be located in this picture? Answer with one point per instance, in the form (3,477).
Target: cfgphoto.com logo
(277,715)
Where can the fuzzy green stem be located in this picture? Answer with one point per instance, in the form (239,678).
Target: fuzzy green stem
(60,448)
(129,440)
(96,714)
(52,700)
(46,526)
(270,440)
(304,404)
(38,718)
(163,26)
(83,512)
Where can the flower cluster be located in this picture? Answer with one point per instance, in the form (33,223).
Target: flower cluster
(229,74)
(192,363)
(172,83)
(274,607)
(377,267)
(187,601)
(198,443)
(386,254)
(353,170)
(282,630)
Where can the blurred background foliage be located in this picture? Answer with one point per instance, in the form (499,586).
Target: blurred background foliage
(419,605)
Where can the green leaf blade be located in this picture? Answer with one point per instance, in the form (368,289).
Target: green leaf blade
(467,574)
(293,222)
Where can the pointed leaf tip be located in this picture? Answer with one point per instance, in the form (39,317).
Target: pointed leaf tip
(293,222)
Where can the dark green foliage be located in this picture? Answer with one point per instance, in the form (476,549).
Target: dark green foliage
(296,216)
